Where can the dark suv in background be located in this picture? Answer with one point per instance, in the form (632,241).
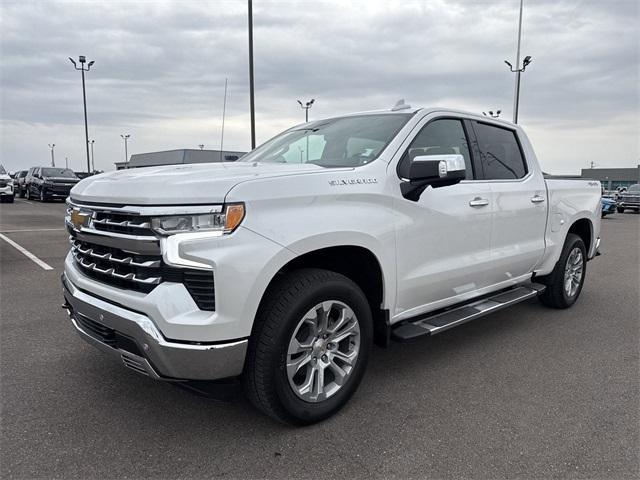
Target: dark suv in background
(49,183)
(630,199)
(18,183)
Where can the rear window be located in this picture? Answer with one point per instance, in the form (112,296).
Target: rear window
(500,152)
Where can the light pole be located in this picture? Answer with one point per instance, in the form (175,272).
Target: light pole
(82,59)
(306,107)
(125,137)
(251,83)
(53,160)
(518,70)
(93,158)
(66,162)
(201,146)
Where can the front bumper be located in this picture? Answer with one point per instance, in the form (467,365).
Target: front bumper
(628,204)
(136,341)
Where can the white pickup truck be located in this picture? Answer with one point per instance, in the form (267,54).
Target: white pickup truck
(285,267)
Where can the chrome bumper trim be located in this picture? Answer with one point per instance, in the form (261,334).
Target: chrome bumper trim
(163,359)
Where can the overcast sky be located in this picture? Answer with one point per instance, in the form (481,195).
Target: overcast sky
(160,70)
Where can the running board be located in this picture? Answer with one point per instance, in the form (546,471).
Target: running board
(440,322)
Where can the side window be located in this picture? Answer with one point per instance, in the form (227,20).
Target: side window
(440,137)
(500,153)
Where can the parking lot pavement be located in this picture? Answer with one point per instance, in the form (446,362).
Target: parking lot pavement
(527,392)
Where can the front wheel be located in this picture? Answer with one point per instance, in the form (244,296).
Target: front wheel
(309,347)
(43,197)
(565,282)
(620,209)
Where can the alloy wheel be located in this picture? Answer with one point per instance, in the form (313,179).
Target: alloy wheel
(323,351)
(573,271)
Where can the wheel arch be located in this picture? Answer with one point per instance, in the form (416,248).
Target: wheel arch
(355,262)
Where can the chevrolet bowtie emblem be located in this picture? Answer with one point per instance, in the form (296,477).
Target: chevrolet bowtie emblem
(79,219)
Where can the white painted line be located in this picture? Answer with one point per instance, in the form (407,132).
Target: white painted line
(26,201)
(33,230)
(26,253)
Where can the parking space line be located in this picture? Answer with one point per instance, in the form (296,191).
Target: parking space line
(26,253)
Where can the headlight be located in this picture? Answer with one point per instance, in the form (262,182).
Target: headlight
(226,221)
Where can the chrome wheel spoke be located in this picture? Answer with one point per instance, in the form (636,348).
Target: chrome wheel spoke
(573,272)
(296,347)
(347,358)
(294,365)
(338,372)
(347,331)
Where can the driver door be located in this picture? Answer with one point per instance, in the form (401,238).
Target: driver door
(443,239)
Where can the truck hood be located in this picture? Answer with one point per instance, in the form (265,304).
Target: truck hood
(179,184)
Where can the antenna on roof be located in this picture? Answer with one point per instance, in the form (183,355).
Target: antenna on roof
(400,105)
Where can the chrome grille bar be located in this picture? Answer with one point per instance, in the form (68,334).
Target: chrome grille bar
(111,272)
(109,257)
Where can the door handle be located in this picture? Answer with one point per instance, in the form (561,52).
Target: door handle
(479,202)
(537,199)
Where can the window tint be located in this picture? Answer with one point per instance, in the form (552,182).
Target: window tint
(499,152)
(440,137)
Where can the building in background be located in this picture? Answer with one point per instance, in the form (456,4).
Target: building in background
(613,178)
(175,157)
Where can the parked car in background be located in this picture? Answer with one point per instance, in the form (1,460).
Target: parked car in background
(283,268)
(49,183)
(609,206)
(18,183)
(6,186)
(629,199)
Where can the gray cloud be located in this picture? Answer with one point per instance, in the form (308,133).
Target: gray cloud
(160,69)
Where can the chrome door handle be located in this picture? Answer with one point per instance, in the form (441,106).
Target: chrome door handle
(479,202)
(537,199)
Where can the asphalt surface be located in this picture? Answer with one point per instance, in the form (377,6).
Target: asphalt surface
(527,392)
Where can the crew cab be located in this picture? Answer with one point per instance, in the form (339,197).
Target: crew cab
(49,183)
(283,268)
(629,199)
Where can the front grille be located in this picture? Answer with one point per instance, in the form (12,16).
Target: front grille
(122,223)
(141,273)
(3,184)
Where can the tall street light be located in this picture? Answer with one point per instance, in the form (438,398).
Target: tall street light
(93,158)
(53,160)
(82,60)
(518,70)
(251,83)
(125,137)
(306,107)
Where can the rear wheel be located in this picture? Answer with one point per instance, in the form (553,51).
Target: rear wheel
(309,348)
(28,193)
(620,209)
(565,283)
(43,197)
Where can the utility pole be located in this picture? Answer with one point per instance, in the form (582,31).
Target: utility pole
(93,158)
(518,70)
(125,137)
(224,111)
(82,59)
(53,160)
(66,162)
(251,83)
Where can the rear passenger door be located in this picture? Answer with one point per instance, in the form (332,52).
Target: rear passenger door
(519,201)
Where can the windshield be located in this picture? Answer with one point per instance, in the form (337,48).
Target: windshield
(58,172)
(336,142)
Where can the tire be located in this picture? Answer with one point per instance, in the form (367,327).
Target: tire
(28,193)
(559,294)
(620,209)
(10,199)
(43,197)
(286,311)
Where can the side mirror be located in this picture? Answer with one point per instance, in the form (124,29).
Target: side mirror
(435,170)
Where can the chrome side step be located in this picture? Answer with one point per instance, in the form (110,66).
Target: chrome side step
(440,322)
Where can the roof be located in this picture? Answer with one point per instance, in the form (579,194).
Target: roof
(628,174)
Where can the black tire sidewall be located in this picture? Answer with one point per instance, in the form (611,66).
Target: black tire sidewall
(347,292)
